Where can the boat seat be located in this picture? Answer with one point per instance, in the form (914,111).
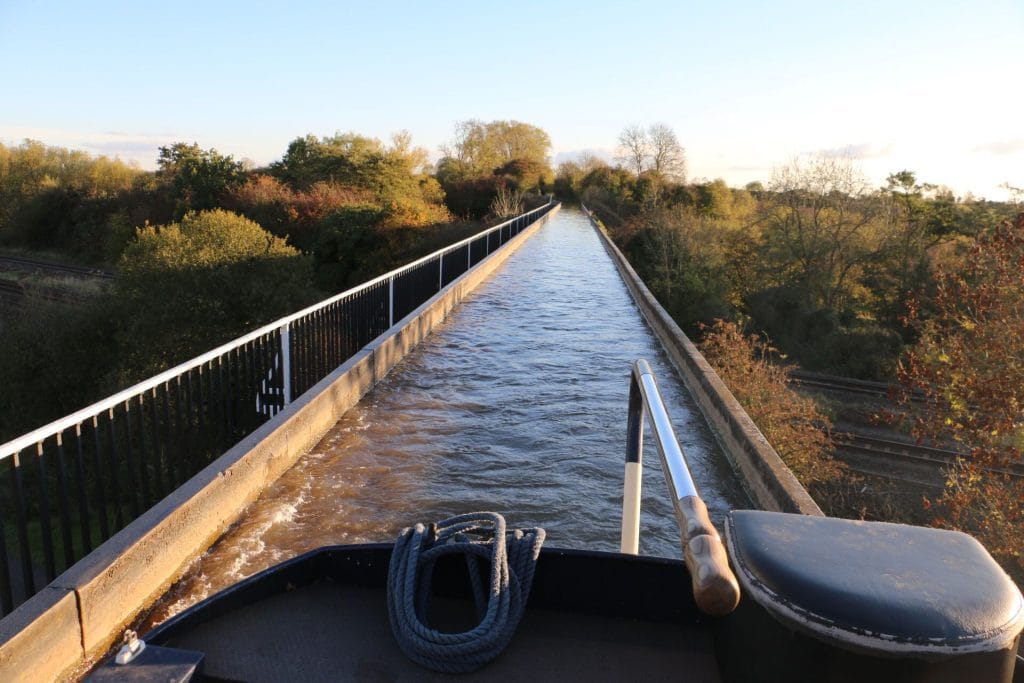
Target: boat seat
(885,590)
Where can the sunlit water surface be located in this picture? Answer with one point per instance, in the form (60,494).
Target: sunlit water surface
(516,404)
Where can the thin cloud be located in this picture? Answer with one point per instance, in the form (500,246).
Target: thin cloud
(138,147)
(1001,147)
(864,150)
(126,149)
(601,153)
(748,169)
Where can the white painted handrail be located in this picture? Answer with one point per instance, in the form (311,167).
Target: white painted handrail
(78,417)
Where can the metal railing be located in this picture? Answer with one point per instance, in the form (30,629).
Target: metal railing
(714,587)
(70,485)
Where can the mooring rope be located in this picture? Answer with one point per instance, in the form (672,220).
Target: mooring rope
(499,605)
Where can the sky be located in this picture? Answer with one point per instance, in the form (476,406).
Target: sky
(935,87)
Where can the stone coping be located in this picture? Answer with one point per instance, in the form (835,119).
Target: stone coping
(770,484)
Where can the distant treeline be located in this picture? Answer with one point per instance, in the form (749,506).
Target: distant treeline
(818,260)
(207,247)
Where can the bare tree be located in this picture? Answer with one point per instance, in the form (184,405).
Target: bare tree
(634,148)
(507,203)
(819,224)
(667,156)
(1016,194)
(465,143)
(402,148)
(589,161)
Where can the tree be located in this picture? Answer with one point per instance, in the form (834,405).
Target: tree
(714,199)
(668,158)
(528,176)
(200,177)
(290,213)
(610,189)
(189,286)
(30,173)
(568,180)
(346,158)
(634,148)
(1016,194)
(969,364)
(655,148)
(468,148)
(471,197)
(678,254)
(508,203)
(483,157)
(518,140)
(902,263)
(394,174)
(818,227)
(51,364)
(403,151)
(481,147)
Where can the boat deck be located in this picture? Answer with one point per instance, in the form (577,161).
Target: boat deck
(323,616)
(331,632)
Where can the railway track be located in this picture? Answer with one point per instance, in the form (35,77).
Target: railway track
(891,458)
(910,462)
(847,385)
(15,295)
(48,267)
(11,293)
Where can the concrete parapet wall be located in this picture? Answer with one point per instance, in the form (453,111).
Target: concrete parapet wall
(770,484)
(83,612)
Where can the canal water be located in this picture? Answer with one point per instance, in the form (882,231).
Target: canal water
(517,404)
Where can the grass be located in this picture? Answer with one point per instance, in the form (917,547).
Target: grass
(70,285)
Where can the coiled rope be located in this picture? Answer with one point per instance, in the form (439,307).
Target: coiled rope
(499,605)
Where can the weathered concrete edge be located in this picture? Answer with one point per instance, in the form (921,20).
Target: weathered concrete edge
(84,610)
(40,637)
(770,484)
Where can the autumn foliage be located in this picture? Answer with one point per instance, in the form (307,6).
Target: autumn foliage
(288,212)
(969,364)
(792,423)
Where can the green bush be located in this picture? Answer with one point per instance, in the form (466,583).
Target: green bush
(839,343)
(691,289)
(187,287)
(865,352)
(350,248)
(471,198)
(55,360)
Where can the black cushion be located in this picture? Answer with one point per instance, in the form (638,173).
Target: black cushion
(884,588)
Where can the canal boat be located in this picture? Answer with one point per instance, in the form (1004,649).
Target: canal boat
(782,597)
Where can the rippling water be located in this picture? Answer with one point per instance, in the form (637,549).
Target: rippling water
(516,404)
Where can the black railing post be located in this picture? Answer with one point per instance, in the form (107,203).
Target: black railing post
(62,504)
(44,512)
(158,446)
(99,490)
(172,431)
(129,457)
(84,521)
(6,595)
(114,466)
(143,460)
(27,574)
